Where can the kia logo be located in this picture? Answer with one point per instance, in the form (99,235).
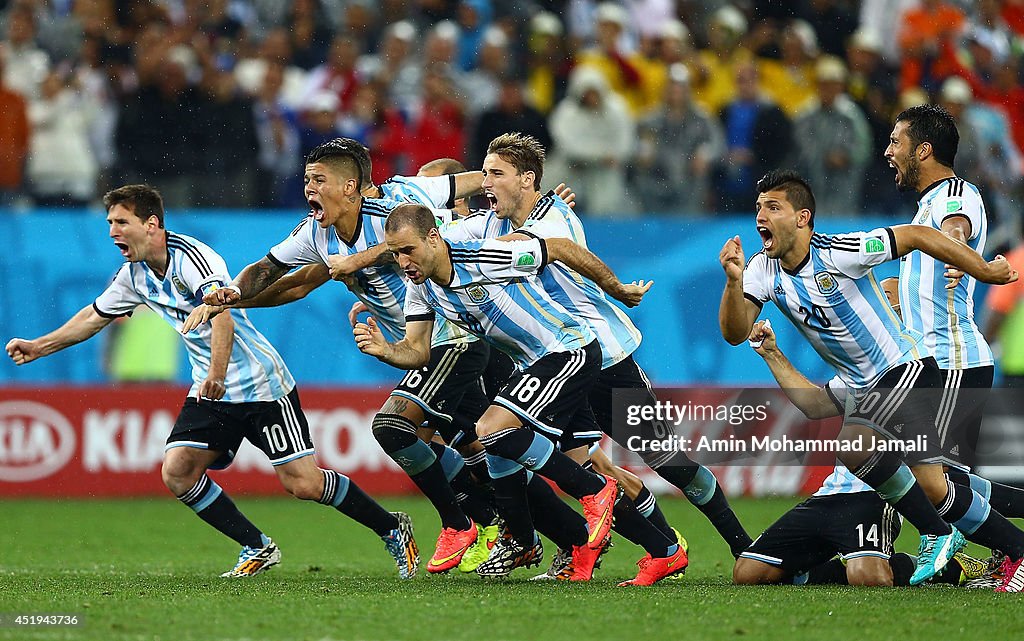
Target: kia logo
(35,441)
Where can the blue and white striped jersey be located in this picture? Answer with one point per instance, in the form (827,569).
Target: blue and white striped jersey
(429,191)
(553,218)
(381,288)
(495,294)
(255,371)
(834,299)
(945,316)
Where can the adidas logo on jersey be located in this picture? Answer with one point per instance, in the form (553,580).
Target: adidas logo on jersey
(778,290)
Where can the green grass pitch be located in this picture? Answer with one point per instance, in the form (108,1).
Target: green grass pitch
(148,569)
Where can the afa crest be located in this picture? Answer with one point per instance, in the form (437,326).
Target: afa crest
(826,283)
(178,285)
(476,293)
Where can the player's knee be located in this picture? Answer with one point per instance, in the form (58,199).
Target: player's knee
(307,487)
(393,431)
(869,574)
(486,427)
(179,472)
(751,572)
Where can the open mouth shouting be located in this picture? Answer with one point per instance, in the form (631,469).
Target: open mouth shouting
(122,247)
(767,239)
(492,200)
(316,209)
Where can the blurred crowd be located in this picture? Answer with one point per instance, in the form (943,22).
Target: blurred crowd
(645,106)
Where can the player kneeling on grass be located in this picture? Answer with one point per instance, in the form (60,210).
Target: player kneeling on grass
(241,387)
(844,533)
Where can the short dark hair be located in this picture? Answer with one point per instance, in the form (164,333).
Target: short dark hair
(445,166)
(798,192)
(934,125)
(345,154)
(143,200)
(522,151)
(420,218)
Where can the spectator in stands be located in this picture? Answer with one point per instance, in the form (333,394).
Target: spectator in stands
(318,122)
(26,64)
(436,125)
(393,54)
(714,81)
(835,142)
(679,145)
(833,22)
(14,140)
(439,54)
(511,113)
(923,30)
(311,31)
(274,50)
(380,127)
(338,73)
(474,20)
(61,167)
(872,85)
(593,134)
(227,173)
(628,73)
(789,82)
(549,62)
(164,114)
(277,135)
(758,137)
(483,83)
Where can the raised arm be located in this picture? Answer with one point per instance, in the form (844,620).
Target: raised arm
(736,312)
(590,266)
(82,326)
(941,247)
(809,398)
(411,352)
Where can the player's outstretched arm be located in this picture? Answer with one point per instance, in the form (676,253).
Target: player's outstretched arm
(342,267)
(941,247)
(411,352)
(736,314)
(255,278)
(82,326)
(287,289)
(590,266)
(469,183)
(221,343)
(810,399)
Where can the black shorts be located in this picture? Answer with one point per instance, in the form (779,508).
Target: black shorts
(500,368)
(626,385)
(551,396)
(902,406)
(961,408)
(850,525)
(279,428)
(461,430)
(439,387)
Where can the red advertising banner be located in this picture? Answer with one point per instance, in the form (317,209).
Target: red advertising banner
(109,441)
